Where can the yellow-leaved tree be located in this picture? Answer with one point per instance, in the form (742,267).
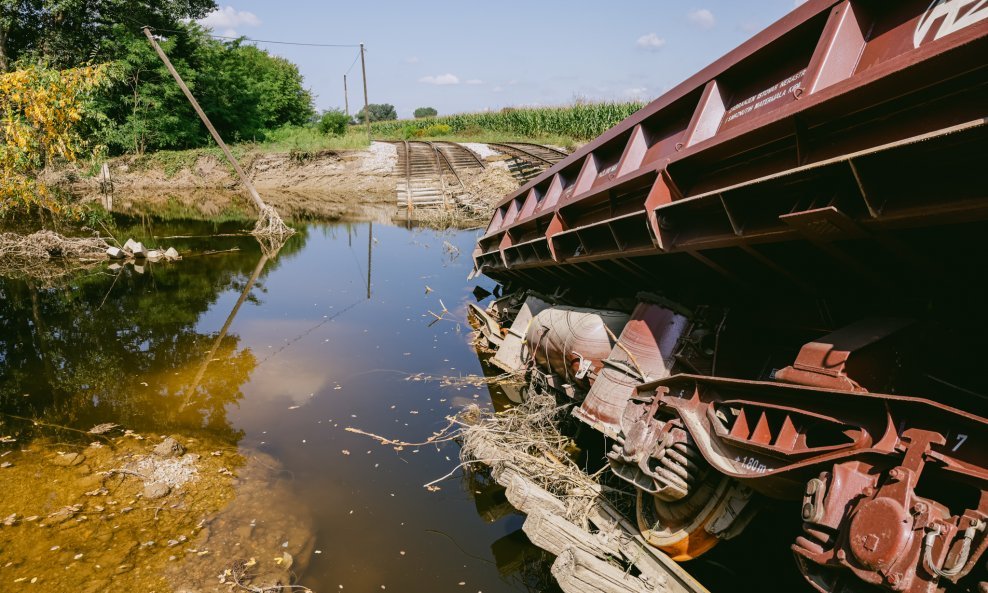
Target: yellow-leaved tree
(40,113)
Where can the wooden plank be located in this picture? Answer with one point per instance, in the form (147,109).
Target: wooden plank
(555,534)
(579,572)
(529,498)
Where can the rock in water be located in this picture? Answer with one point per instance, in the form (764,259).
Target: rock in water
(156,490)
(68,459)
(169,448)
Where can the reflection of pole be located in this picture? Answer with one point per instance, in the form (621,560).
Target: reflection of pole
(370,238)
(226,327)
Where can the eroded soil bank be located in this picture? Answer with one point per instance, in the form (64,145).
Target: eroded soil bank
(325,185)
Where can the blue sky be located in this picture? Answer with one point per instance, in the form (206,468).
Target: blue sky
(472,56)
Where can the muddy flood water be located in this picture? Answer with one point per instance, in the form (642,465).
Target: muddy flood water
(255,366)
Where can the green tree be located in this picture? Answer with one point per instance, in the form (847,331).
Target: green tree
(333,122)
(379,112)
(66,33)
(244,90)
(425,112)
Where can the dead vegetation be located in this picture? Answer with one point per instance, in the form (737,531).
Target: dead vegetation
(47,256)
(485,190)
(47,245)
(528,438)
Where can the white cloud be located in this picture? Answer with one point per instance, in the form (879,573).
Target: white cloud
(474,81)
(650,42)
(702,18)
(497,89)
(412,60)
(635,92)
(228,18)
(441,79)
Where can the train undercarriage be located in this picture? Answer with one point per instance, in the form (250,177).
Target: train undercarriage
(711,414)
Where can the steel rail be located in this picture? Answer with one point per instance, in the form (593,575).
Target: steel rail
(520,153)
(452,170)
(561,154)
(462,150)
(444,155)
(439,170)
(408,175)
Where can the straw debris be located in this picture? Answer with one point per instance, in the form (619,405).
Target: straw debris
(270,224)
(47,257)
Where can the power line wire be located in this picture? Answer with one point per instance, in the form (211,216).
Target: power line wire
(245,38)
(286,42)
(357,57)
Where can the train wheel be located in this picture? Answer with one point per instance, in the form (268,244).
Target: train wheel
(685,529)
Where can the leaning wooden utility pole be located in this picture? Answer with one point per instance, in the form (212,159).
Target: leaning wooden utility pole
(363,69)
(346,97)
(272,222)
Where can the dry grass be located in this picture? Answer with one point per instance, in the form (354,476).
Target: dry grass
(485,190)
(46,256)
(528,437)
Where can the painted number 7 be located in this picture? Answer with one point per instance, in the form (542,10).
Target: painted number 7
(960,441)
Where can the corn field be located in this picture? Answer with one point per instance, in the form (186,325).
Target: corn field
(582,121)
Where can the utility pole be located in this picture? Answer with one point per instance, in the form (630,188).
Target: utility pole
(209,125)
(346,97)
(363,69)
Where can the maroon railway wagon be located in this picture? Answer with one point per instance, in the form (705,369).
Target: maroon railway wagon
(769,283)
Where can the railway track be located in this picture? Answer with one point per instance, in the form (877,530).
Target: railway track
(528,159)
(430,172)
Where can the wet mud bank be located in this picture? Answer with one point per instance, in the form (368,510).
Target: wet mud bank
(325,185)
(319,185)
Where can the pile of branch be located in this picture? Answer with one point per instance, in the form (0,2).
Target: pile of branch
(48,245)
(527,438)
(48,257)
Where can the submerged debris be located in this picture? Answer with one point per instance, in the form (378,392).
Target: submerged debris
(528,437)
(269,224)
(47,245)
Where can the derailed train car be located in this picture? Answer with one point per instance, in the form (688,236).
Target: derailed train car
(768,284)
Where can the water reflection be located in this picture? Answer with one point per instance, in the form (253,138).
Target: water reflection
(127,345)
(272,357)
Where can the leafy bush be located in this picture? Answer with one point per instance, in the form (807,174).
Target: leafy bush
(333,122)
(425,112)
(437,130)
(409,132)
(41,109)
